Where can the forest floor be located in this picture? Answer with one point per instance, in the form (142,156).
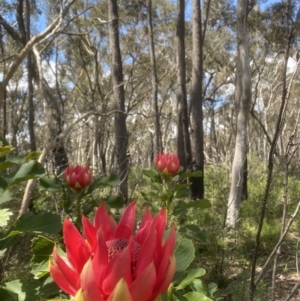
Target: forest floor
(234,281)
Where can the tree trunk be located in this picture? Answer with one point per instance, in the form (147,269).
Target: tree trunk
(54,115)
(3,100)
(121,139)
(30,73)
(243,103)
(197,184)
(157,141)
(183,138)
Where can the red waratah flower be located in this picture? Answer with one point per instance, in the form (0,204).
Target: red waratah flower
(167,162)
(112,262)
(78,177)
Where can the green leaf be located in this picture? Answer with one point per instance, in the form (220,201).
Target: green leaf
(7,295)
(16,159)
(4,150)
(197,286)
(33,156)
(48,288)
(152,174)
(5,165)
(115,201)
(26,291)
(43,223)
(3,184)
(179,209)
(198,204)
(212,288)
(195,174)
(157,186)
(4,217)
(184,253)
(6,196)
(193,274)
(111,180)
(50,184)
(27,171)
(193,231)
(7,242)
(42,248)
(195,296)
(183,192)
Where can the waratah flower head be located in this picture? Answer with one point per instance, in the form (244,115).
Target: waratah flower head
(113,261)
(167,162)
(78,177)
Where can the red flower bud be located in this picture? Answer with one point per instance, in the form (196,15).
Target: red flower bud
(167,162)
(78,177)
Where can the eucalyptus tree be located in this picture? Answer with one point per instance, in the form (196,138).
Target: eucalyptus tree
(183,136)
(25,43)
(121,139)
(157,142)
(196,97)
(243,105)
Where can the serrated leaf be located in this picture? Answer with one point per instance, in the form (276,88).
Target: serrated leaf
(25,290)
(193,274)
(195,296)
(43,223)
(42,248)
(4,217)
(48,288)
(184,253)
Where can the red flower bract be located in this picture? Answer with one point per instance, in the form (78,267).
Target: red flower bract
(167,162)
(113,262)
(78,177)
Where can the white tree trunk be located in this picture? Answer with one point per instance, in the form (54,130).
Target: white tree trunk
(243,103)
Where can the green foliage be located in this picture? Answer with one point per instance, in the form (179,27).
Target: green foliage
(42,248)
(203,270)
(28,169)
(4,217)
(184,253)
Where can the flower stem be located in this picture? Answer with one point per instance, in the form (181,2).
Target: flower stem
(78,209)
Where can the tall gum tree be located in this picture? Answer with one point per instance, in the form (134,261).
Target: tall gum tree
(196,97)
(157,142)
(121,139)
(183,138)
(243,104)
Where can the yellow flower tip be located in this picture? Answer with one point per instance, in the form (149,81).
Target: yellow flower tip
(121,292)
(79,296)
